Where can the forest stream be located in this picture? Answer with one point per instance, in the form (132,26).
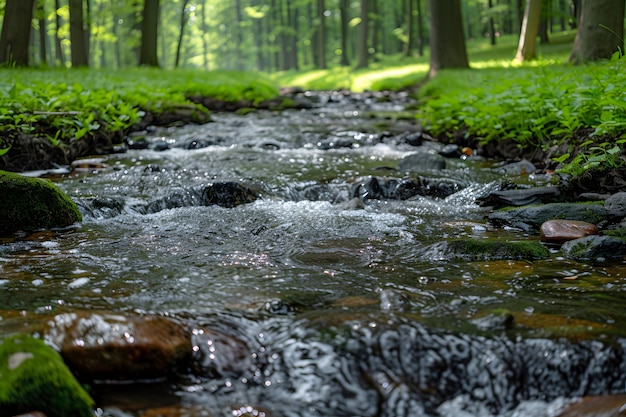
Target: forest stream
(305,295)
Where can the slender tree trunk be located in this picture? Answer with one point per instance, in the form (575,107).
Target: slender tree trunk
(77,34)
(238,36)
(447,42)
(376,24)
(181,34)
(149,34)
(205,43)
(294,16)
(420,29)
(600,31)
(15,36)
(363,36)
(343,11)
(528,35)
(544,22)
(43,38)
(58,50)
(410,19)
(321,34)
(87,28)
(492,25)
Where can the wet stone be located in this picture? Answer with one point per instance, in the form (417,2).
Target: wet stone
(595,248)
(115,347)
(531,218)
(521,197)
(422,161)
(599,406)
(616,204)
(523,167)
(560,231)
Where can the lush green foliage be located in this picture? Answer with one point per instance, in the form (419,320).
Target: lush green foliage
(537,106)
(67,105)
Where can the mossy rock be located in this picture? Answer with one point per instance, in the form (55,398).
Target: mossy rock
(34,377)
(33,204)
(530,218)
(488,250)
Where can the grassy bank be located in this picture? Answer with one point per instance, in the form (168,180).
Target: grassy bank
(67,105)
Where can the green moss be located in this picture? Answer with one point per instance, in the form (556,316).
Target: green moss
(34,377)
(618,233)
(492,249)
(32,204)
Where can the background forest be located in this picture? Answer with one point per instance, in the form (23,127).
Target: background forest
(266,35)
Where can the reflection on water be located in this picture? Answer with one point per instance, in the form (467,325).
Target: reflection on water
(319,306)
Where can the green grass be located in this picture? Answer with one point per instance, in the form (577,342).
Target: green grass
(398,72)
(67,105)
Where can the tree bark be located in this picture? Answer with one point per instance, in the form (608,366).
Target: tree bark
(363,36)
(600,31)
(410,20)
(447,41)
(15,36)
(181,34)
(492,25)
(43,39)
(420,29)
(149,30)
(528,35)
(343,11)
(57,38)
(321,36)
(77,34)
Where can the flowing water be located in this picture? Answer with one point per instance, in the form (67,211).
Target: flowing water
(327,305)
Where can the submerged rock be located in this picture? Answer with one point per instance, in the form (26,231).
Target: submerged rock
(597,406)
(422,161)
(486,250)
(227,194)
(595,248)
(33,204)
(559,231)
(34,377)
(616,205)
(377,188)
(531,218)
(521,197)
(119,348)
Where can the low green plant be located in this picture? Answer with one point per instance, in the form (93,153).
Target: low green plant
(538,107)
(43,103)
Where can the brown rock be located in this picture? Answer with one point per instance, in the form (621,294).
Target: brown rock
(32,414)
(560,231)
(116,347)
(601,406)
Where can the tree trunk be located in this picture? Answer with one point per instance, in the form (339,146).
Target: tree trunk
(321,35)
(15,37)
(492,25)
(410,20)
(528,35)
(58,50)
(77,34)
(600,31)
(343,11)
(181,34)
(363,36)
(238,36)
(447,42)
(205,44)
(420,29)
(43,39)
(149,30)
